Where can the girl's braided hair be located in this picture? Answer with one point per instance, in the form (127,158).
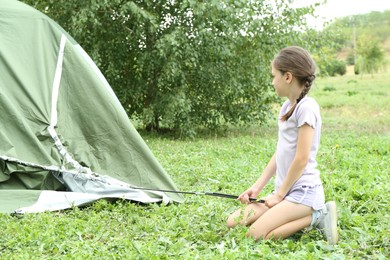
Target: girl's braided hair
(301,65)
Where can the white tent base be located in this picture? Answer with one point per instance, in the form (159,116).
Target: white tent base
(60,200)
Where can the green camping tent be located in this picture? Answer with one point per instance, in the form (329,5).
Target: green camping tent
(65,140)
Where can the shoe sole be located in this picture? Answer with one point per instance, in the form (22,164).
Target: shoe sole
(333,237)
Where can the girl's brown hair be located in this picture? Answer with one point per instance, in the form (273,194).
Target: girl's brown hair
(301,65)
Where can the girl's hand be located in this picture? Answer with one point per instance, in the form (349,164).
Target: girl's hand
(272,200)
(249,193)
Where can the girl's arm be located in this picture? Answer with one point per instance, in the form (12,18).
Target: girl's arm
(305,137)
(255,189)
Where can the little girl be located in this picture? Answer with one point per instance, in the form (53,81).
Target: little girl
(298,199)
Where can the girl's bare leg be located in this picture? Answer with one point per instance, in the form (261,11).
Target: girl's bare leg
(281,221)
(246,216)
(290,228)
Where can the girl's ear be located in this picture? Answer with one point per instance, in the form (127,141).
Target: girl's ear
(288,77)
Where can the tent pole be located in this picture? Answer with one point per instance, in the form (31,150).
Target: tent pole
(215,194)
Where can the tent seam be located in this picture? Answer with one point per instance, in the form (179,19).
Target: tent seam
(54,115)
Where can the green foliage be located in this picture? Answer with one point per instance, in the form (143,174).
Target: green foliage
(334,67)
(354,162)
(371,55)
(182,64)
(363,37)
(329,88)
(351,58)
(356,70)
(327,44)
(370,31)
(375,24)
(328,64)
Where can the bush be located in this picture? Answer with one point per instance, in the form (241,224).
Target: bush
(356,70)
(351,58)
(332,67)
(339,67)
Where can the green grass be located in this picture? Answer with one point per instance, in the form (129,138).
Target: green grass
(355,103)
(354,159)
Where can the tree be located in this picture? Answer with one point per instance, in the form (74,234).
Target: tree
(183,64)
(371,55)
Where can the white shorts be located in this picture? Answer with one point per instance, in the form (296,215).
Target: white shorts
(311,196)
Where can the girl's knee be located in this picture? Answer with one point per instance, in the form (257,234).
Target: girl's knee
(246,216)
(233,220)
(230,223)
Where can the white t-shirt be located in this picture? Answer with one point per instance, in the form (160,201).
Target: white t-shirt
(307,112)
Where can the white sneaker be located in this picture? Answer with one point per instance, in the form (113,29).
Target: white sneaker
(328,223)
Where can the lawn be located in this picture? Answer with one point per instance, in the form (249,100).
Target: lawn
(354,161)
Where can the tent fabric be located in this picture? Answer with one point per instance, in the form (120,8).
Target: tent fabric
(61,124)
